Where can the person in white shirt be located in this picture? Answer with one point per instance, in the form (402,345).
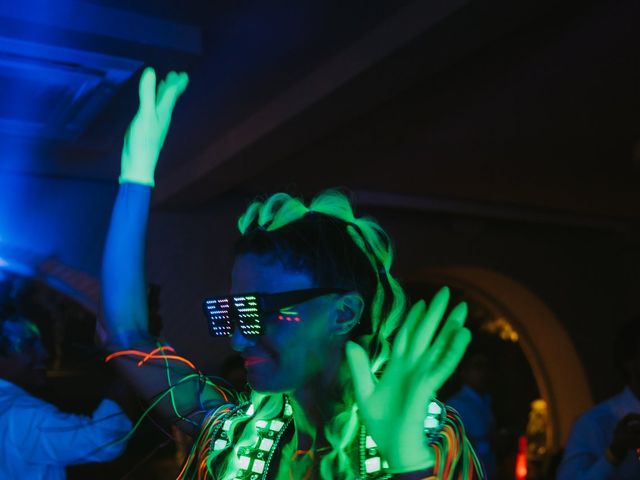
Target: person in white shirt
(604,441)
(37,441)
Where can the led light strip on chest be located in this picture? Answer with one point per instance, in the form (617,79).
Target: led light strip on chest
(254,461)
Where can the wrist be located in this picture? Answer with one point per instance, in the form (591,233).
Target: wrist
(410,460)
(137,179)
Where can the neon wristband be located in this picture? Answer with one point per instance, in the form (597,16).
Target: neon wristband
(147,183)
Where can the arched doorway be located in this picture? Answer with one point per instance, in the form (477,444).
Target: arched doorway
(555,364)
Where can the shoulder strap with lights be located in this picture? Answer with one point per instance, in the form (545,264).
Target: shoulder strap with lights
(253,461)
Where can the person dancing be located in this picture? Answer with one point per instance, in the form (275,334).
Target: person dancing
(343,372)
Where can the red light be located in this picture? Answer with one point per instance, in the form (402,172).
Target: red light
(288,319)
(521,459)
(297,319)
(280,317)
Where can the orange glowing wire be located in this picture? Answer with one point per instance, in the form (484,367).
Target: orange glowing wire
(309,472)
(146,355)
(202,471)
(184,467)
(449,460)
(221,392)
(153,352)
(438,458)
(217,421)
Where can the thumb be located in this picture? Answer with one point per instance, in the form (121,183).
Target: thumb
(360,366)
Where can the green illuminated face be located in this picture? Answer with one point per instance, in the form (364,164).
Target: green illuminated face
(291,353)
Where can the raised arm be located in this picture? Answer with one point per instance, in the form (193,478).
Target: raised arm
(125,316)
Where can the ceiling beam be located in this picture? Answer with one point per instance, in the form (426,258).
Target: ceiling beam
(485,210)
(394,33)
(87,18)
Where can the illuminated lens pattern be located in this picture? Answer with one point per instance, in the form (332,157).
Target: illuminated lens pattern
(223,312)
(217,310)
(248,314)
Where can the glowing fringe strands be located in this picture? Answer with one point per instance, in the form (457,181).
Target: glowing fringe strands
(454,456)
(158,354)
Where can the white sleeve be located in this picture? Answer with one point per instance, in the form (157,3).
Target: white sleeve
(45,435)
(583,457)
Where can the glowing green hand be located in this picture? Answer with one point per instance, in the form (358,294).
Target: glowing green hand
(394,407)
(148,129)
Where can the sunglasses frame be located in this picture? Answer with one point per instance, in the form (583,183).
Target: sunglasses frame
(247,311)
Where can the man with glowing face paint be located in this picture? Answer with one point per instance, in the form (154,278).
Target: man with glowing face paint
(343,373)
(37,441)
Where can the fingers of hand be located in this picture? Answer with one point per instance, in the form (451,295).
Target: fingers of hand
(176,83)
(360,366)
(426,326)
(402,339)
(436,370)
(455,321)
(147,89)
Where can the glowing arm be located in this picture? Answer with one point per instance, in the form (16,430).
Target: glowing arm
(124,292)
(124,300)
(125,315)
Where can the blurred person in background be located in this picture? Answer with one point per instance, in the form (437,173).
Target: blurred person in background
(604,441)
(473,402)
(37,441)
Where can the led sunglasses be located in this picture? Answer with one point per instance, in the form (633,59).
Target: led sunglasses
(249,311)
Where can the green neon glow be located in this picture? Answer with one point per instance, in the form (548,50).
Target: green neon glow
(151,406)
(421,359)
(373,379)
(418,358)
(146,134)
(171,393)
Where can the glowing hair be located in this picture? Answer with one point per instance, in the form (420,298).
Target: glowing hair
(338,249)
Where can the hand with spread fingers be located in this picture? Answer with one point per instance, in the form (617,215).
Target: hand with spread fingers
(393,408)
(148,130)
